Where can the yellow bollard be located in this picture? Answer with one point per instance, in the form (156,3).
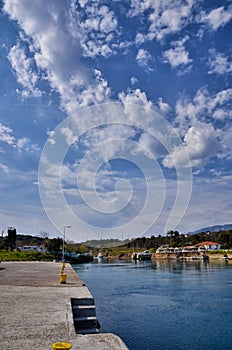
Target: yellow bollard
(61,346)
(63,277)
(63,265)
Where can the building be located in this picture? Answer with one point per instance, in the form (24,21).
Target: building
(208,246)
(199,247)
(31,248)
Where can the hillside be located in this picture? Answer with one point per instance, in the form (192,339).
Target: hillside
(215,228)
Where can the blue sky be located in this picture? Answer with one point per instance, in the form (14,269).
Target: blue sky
(115,116)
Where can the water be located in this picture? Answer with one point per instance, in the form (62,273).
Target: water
(163,305)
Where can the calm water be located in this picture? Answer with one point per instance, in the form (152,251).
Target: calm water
(163,305)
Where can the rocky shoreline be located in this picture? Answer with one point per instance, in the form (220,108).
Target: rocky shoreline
(212,256)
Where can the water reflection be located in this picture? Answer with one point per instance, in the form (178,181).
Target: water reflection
(179,265)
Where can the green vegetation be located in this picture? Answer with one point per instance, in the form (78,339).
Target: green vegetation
(106,243)
(25,256)
(109,247)
(220,252)
(174,239)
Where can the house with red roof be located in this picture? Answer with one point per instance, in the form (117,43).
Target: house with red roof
(208,246)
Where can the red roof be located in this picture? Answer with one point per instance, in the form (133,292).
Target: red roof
(206,243)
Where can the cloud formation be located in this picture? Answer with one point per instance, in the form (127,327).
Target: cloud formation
(172,58)
(217,17)
(177,55)
(219,63)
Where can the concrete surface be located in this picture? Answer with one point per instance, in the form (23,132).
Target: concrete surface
(36,308)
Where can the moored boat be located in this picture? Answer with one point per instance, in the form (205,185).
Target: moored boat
(146,255)
(101,257)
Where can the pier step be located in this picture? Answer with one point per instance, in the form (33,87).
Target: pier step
(84,316)
(84,310)
(87,318)
(82,301)
(87,331)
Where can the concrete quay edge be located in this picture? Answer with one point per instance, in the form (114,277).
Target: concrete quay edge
(36,308)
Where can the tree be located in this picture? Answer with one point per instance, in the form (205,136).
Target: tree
(54,245)
(44,234)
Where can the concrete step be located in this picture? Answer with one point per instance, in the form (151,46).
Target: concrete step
(86,323)
(82,301)
(85,318)
(83,310)
(87,331)
(83,307)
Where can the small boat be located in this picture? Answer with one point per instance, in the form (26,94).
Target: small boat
(146,255)
(76,258)
(100,255)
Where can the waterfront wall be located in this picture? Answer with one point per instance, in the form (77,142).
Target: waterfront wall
(36,309)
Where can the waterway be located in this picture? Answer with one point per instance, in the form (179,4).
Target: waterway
(163,305)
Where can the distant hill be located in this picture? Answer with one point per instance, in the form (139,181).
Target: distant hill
(105,243)
(215,228)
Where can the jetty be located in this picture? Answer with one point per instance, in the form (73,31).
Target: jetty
(39,309)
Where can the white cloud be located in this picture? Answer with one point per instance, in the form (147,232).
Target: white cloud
(201,143)
(135,97)
(226,143)
(133,80)
(5,134)
(210,203)
(150,146)
(219,63)
(196,121)
(24,144)
(177,55)
(53,30)
(140,38)
(218,17)
(163,106)
(24,72)
(99,28)
(203,106)
(4,168)
(131,131)
(166,17)
(143,57)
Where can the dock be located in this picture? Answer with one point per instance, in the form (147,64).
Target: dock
(38,311)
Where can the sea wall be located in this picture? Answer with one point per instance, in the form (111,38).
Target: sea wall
(36,308)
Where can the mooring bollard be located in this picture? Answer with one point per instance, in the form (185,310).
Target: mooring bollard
(61,346)
(63,277)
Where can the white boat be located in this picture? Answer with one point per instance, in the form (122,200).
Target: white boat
(146,255)
(100,255)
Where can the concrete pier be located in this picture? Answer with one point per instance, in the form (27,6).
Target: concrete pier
(36,309)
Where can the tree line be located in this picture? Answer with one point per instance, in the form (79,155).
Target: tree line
(172,238)
(175,239)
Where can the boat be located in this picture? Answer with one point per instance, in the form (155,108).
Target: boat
(146,255)
(76,258)
(101,257)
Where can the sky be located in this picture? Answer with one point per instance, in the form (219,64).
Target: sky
(115,116)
